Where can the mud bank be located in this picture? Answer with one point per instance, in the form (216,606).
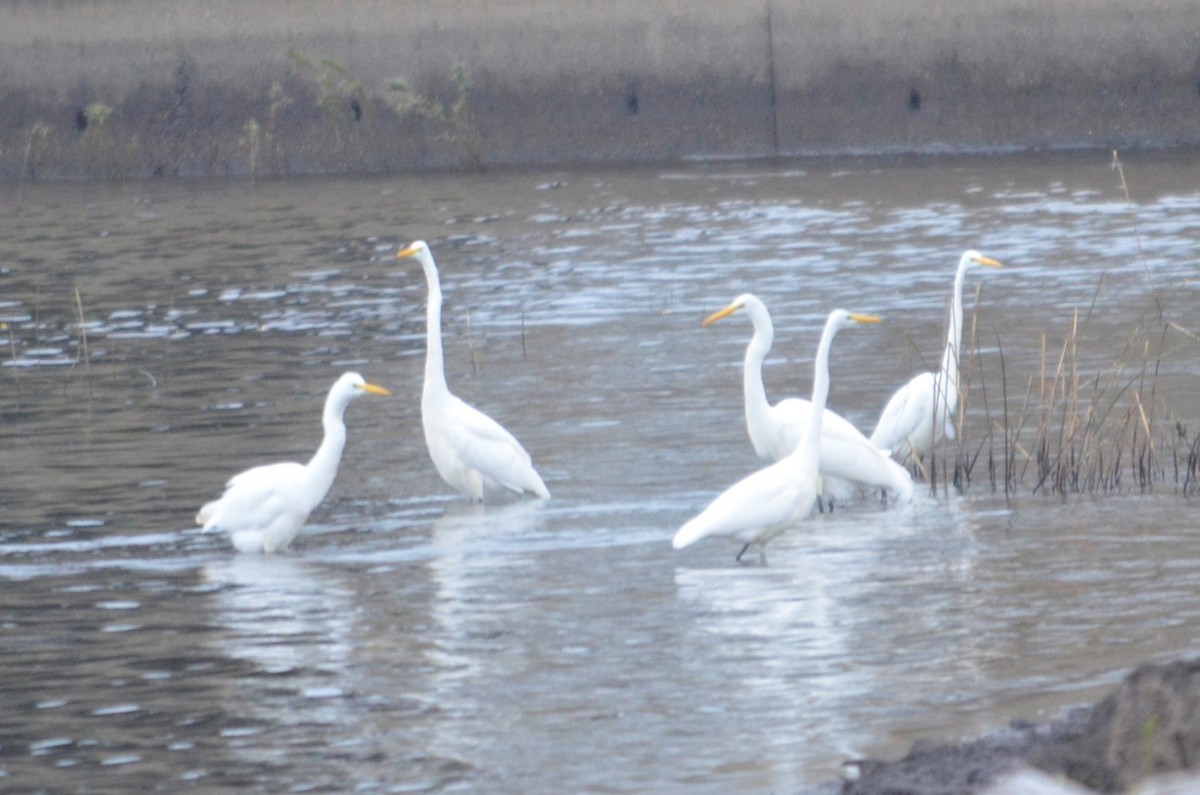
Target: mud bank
(117,88)
(1149,726)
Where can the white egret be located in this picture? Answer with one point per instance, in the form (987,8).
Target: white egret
(264,508)
(471,451)
(922,411)
(847,456)
(764,504)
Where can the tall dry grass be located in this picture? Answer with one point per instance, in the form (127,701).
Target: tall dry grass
(1069,428)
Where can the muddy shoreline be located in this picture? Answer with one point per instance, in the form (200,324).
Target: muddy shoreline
(1148,726)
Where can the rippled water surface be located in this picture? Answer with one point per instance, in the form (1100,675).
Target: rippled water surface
(158,337)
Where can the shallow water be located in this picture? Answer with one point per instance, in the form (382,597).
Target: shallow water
(411,642)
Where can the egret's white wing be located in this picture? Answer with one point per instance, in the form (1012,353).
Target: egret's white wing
(907,415)
(263,477)
(847,456)
(845,464)
(482,444)
(755,508)
(266,503)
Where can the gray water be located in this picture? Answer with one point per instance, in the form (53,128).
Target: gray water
(411,642)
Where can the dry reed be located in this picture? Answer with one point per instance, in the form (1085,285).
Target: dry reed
(1075,430)
(83,354)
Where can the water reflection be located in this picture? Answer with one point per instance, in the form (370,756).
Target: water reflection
(475,550)
(327,695)
(471,538)
(293,625)
(771,634)
(283,615)
(853,607)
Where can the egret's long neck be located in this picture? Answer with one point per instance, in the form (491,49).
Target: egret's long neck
(953,341)
(435,373)
(811,444)
(323,466)
(758,410)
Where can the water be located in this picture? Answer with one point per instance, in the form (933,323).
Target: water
(411,642)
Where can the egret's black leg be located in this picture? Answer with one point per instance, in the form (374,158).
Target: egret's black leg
(738,559)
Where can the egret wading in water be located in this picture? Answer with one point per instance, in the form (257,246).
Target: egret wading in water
(264,508)
(922,411)
(471,451)
(761,506)
(848,459)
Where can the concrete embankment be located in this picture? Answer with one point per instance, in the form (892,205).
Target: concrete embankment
(176,87)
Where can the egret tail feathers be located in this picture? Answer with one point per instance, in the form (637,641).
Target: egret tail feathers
(538,487)
(689,534)
(206,514)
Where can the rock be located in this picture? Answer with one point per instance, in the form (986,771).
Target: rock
(1028,781)
(1150,725)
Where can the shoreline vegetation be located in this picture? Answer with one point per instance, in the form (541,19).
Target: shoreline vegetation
(1065,429)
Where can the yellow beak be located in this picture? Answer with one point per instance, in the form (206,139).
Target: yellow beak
(407,252)
(372,389)
(722,313)
(857,318)
(991,263)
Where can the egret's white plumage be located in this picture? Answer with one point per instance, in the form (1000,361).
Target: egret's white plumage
(847,457)
(922,411)
(764,504)
(471,451)
(264,508)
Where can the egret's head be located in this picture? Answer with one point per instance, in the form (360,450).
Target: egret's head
(840,318)
(975,257)
(356,385)
(858,317)
(741,302)
(417,248)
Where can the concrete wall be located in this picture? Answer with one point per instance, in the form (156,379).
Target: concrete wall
(166,87)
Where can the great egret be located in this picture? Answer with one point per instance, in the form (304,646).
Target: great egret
(761,506)
(922,411)
(471,451)
(263,508)
(847,457)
